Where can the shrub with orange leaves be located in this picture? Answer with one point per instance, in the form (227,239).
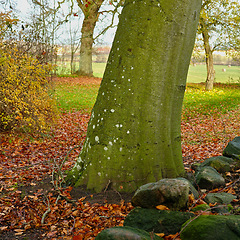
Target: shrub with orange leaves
(25,102)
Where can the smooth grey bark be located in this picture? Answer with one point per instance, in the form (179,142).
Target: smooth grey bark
(91,14)
(134,132)
(85,65)
(209,59)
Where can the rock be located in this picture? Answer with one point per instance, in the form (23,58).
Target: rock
(208,178)
(172,193)
(192,190)
(201,207)
(221,198)
(212,227)
(125,233)
(220,163)
(160,221)
(232,150)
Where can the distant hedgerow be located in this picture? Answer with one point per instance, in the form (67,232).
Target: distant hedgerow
(25,102)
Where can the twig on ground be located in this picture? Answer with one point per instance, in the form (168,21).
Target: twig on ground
(46,212)
(58,178)
(74,221)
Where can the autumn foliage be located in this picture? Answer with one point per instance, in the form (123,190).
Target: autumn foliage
(25,103)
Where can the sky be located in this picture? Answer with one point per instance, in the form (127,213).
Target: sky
(23,7)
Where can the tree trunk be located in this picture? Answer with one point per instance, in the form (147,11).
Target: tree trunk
(209,60)
(72,61)
(88,26)
(134,132)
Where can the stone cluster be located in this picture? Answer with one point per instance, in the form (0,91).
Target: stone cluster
(172,195)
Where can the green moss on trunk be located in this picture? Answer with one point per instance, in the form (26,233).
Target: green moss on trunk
(134,132)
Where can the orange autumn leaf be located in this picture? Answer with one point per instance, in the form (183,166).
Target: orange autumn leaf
(104,208)
(212,204)
(231,190)
(162,207)
(160,234)
(191,198)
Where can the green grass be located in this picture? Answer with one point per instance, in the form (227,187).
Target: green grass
(98,69)
(63,70)
(224,98)
(198,73)
(75,97)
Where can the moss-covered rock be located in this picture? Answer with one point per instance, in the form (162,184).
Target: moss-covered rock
(126,233)
(208,178)
(220,163)
(192,189)
(160,221)
(232,150)
(201,207)
(221,198)
(212,227)
(170,192)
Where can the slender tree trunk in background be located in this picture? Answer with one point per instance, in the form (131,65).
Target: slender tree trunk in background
(134,132)
(209,60)
(90,19)
(86,47)
(71,62)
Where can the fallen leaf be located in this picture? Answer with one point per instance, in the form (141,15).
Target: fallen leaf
(162,207)
(160,234)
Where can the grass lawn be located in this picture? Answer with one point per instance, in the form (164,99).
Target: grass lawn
(98,69)
(73,96)
(225,97)
(198,73)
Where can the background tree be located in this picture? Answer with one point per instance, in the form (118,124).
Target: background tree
(91,11)
(218,24)
(133,135)
(234,47)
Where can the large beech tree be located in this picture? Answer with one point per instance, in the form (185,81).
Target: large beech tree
(133,135)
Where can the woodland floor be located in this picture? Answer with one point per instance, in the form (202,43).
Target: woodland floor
(27,195)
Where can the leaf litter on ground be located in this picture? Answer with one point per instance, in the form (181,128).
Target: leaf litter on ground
(29,203)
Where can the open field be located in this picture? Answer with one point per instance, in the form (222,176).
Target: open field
(73,94)
(224,74)
(196,74)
